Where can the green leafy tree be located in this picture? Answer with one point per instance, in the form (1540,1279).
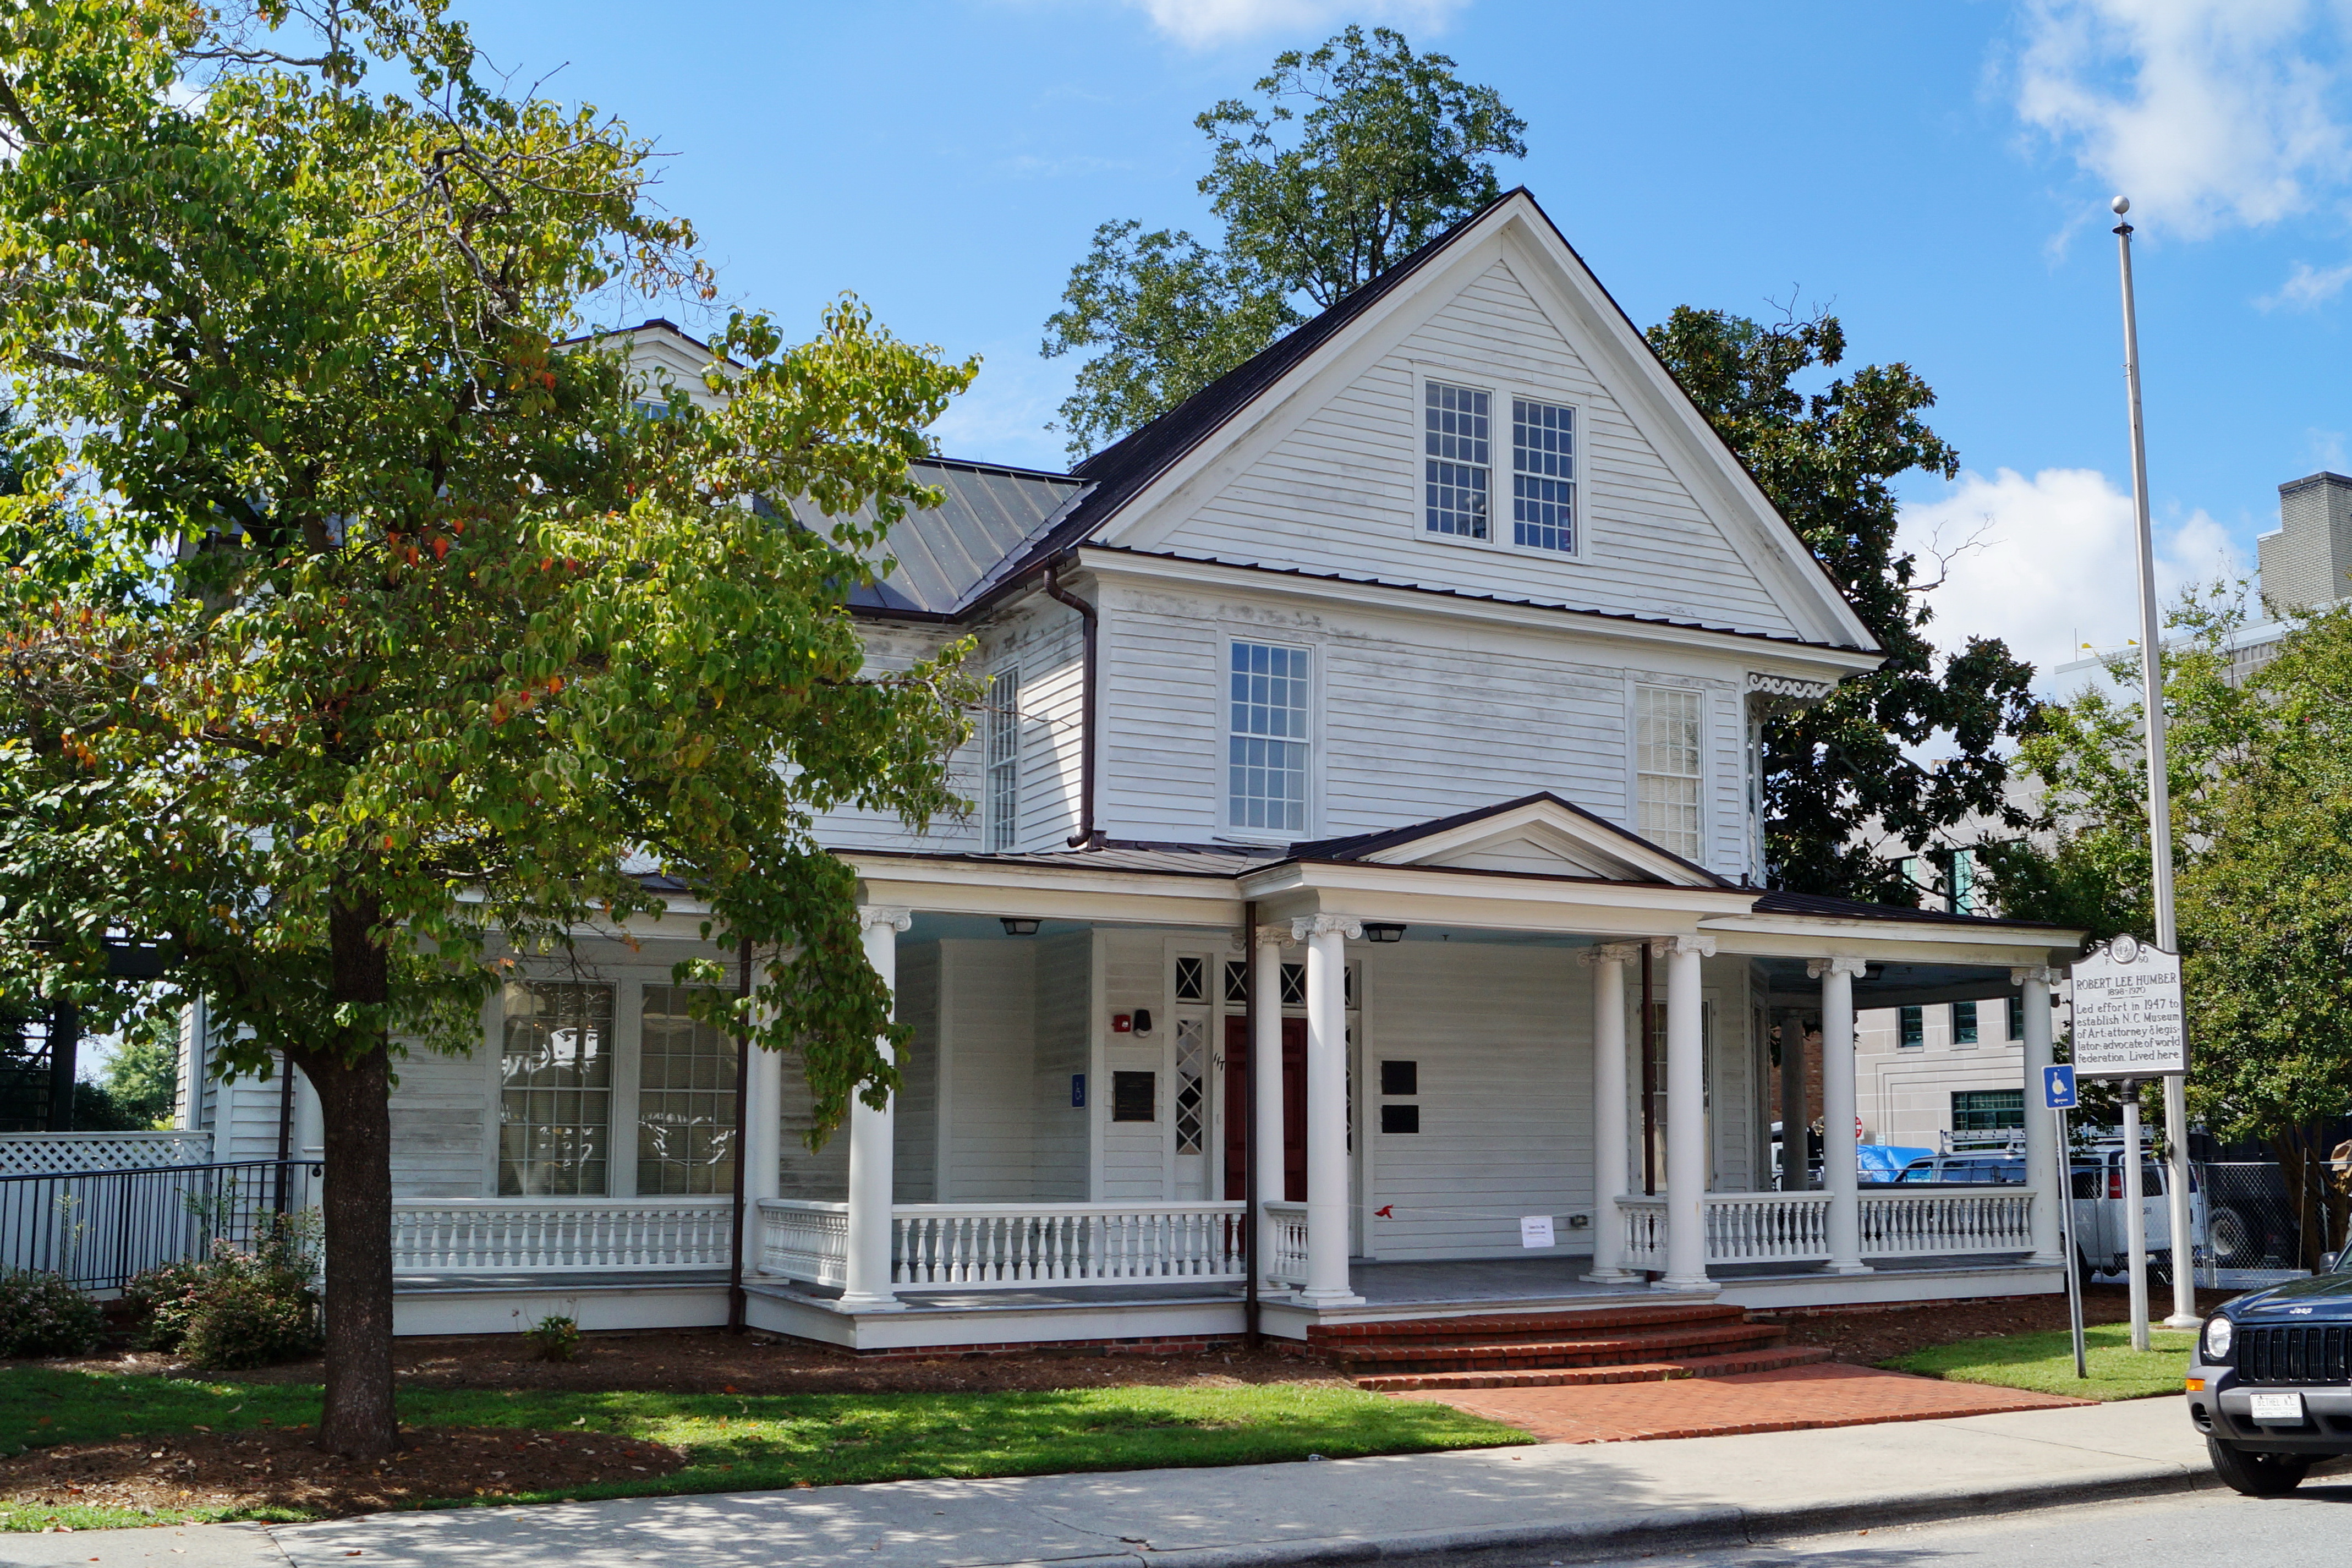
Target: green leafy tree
(440,628)
(1842,785)
(1355,155)
(143,1075)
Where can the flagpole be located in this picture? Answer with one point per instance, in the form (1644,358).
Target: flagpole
(2159,815)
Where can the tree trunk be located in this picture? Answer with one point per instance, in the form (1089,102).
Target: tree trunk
(353,1079)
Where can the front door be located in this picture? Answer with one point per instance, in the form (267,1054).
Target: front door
(1294,1110)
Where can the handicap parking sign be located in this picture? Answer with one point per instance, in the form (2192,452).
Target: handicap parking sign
(2058,1088)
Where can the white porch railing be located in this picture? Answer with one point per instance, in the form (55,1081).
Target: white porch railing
(496,1235)
(1287,1255)
(1793,1228)
(971,1246)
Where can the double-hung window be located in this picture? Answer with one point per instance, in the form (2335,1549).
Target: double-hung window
(1266,741)
(555,1090)
(1001,737)
(1668,750)
(1543,475)
(1456,461)
(686,1097)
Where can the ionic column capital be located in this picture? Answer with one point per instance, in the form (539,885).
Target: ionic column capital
(2031,973)
(1692,944)
(1851,968)
(1347,926)
(897,919)
(1274,936)
(1609,952)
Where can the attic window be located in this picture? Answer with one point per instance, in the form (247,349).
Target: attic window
(1543,476)
(1454,443)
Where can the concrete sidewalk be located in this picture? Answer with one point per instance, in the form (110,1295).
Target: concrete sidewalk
(1510,1505)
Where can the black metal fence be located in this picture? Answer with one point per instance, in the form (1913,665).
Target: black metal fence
(98,1229)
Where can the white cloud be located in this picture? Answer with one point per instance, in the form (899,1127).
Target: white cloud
(2054,564)
(2207,113)
(1202,24)
(2308,286)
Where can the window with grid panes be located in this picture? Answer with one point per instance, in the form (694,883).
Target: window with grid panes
(2016,1019)
(685,1099)
(1964,1023)
(1002,740)
(1543,475)
(1191,1098)
(1987,1109)
(1294,984)
(1667,766)
(1911,1027)
(1455,454)
(1268,738)
(555,1090)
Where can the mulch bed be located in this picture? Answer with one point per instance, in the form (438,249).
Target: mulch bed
(1866,1336)
(270,1467)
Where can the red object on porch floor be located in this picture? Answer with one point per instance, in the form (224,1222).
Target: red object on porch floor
(1789,1399)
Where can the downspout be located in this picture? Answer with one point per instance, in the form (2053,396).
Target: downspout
(1252,1220)
(737,1304)
(285,1125)
(1089,626)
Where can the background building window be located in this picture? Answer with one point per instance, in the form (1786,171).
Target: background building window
(1455,449)
(1002,733)
(1966,899)
(1911,1024)
(1964,1023)
(686,1097)
(1667,729)
(1543,475)
(1267,742)
(2016,1019)
(1987,1109)
(555,1090)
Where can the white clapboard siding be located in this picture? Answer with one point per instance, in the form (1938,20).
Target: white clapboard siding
(1502,1037)
(1342,491)
(444,1113)
(988,991)
(1135,1153)
(914,1118)
(894,648)
(1064,1043)
(819,1174)
(1044,641)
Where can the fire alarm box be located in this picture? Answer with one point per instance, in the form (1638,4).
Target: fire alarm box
(1121,1024)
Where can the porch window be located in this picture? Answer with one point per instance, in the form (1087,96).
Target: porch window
(1964,1023)
(1668,728)
(555,1094)
(1457,464)
(1192,1061)
(1294,984)
(1911,1024)
(1267,742)
(1002,740)
(1543,475)
(1190,986)
(1987,1109)
(685,1099)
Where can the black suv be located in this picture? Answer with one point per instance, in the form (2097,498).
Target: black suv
(2270,1383)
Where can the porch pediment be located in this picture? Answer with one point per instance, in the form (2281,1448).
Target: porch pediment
(1541,835)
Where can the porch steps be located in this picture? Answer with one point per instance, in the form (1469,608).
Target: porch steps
(1521,1350)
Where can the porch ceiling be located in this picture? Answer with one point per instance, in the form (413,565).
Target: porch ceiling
(1891,985)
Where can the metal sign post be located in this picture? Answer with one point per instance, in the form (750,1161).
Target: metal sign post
(2058,1094)
(2135,1217)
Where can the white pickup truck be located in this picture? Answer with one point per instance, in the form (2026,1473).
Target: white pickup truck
(2102,1240)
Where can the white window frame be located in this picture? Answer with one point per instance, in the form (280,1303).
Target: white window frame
(1635,771)
(1311,805)
(1001,775)
(1501,528)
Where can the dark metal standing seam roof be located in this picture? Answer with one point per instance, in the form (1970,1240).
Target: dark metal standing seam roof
(948,553)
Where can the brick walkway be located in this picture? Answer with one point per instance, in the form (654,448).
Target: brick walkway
(1787,1400)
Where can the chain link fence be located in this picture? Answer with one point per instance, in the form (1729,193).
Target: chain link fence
(2259,1226)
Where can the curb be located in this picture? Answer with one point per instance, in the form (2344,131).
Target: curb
(1697,1529)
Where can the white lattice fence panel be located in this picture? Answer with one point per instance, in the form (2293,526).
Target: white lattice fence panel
(58,1153)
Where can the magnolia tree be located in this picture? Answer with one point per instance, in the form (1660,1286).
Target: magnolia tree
(360,624)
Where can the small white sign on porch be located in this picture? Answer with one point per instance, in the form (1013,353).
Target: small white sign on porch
(2127,1016)
(1535,1230)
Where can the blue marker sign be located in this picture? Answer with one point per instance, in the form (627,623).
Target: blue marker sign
(1078,1090)
(2058,1088)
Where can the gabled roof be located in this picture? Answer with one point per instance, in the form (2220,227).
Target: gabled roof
(1537,833)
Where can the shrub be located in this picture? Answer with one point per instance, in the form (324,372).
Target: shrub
(162,1300)
(235,1309)
(41,1315)
(555,1338)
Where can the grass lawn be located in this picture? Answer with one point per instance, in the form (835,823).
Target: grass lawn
(2046,1361)
(744,1442)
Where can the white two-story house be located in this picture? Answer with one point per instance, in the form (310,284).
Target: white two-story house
(1360,912)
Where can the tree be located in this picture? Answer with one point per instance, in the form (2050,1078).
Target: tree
(1358,152)
(432,626)
(1840,781)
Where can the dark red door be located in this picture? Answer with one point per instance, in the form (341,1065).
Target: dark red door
(1294,1110)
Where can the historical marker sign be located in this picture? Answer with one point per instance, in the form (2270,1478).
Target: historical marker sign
(2127,1017)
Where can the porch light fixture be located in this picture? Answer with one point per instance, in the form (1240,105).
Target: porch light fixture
(1376,932)
(1015,925)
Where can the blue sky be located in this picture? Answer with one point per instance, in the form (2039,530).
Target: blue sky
(1937,174)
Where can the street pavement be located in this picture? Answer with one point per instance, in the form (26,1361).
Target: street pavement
(1531,1504)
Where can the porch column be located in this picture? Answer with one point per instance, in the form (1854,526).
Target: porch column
(1326,937)
(1266,1072)
(764,1142)
(2044,1169)
(1609,1181)
(1838,1168)
(867,1288)
(1685,1112)
(1795,1137)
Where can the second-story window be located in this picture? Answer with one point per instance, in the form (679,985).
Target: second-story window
(1667,757)
(1543,475)
(1266,741)
(1455,458)
(1001,737)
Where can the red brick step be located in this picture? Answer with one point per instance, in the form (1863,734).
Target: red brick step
(1727,1365)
